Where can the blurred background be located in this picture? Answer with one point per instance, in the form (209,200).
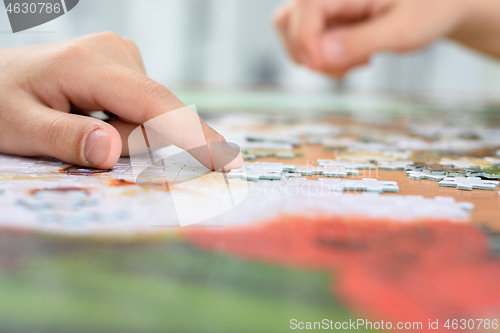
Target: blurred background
(232,43)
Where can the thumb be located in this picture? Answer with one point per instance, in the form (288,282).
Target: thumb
(72,138)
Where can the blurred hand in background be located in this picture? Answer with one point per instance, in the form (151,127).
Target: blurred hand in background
(334,36)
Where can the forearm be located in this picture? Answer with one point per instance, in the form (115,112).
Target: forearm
(480,27)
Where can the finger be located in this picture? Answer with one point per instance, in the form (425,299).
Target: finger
(309,19)
(38,130)
(281,20)
(353,44)
(125,129)
(118,49)
(135,52)
(304,28)
(135,98)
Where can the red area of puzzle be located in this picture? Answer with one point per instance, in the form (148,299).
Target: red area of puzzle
(386,271)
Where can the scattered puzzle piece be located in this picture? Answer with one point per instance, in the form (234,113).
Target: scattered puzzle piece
(470,172)
(370,185)
(366,184)
(418,175)
(394,166)
(339,171)
(258,171)
(469,183)
(261,149)
(285,154)
(292,175)
(346,164)
(309,170)
(436,169)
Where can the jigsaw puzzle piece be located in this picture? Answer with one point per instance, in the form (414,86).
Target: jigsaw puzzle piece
(469,183)
(309,170)
(418,175)
(346,164)
(436,169)
(366,184)
(339,171)
(394,166)
(491,173)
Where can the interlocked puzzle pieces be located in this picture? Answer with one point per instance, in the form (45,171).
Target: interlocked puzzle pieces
(327,171)
(274,171)
(491,173)
(469,183)
(436,169)
(373,157)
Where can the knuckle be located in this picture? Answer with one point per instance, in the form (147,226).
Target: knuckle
(279,19)
(57,135)
(302,3)
(154,91)
(133,46)
(109,36)
(130,42)
(73,50)
(405,36)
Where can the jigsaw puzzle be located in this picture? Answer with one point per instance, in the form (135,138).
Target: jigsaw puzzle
(366,158)
(329,222)
(418,175)
(436,169)
(490,173)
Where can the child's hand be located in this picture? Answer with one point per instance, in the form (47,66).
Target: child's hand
(333,36)
(40,85)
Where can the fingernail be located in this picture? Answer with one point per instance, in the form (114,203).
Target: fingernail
(333,50)
(97,147)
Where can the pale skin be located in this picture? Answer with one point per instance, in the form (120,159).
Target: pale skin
(42,87)
(335,36)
